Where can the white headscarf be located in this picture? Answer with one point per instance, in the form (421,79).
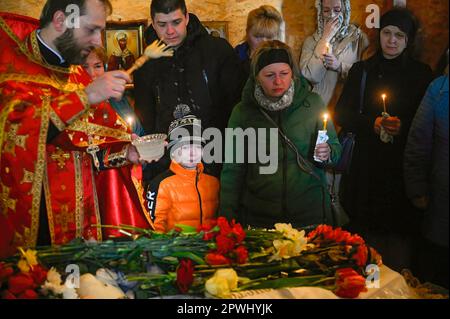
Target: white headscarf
(344,29)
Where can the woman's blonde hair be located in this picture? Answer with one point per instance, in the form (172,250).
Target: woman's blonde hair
(264,21)
(273,45)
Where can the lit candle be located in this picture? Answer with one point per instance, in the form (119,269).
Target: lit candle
(384,102)
(325,121)
(328,45)
(130,121)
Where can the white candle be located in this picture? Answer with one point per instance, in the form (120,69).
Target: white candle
(325,121)
(384,102)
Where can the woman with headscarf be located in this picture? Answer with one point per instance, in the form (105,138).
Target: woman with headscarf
(374,191)
(328,55)
(330,52)
(276,98)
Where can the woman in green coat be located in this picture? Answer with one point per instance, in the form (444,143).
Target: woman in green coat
(275,96)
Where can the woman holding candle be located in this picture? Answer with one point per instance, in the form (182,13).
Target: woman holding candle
(330,52)
(378,103)
(276,97)
(119,190)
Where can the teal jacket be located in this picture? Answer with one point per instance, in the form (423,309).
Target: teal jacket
(290,195)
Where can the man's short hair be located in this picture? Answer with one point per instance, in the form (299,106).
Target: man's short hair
(167,6)
(52,6)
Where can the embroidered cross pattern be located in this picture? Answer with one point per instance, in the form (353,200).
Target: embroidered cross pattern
(13,140)
(61,157)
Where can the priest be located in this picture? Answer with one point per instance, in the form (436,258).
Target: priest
(56,126)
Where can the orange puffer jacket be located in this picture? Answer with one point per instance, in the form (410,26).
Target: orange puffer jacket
(181,196)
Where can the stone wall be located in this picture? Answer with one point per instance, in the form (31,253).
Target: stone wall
(300,16)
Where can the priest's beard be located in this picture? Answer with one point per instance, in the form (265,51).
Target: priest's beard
(70,49)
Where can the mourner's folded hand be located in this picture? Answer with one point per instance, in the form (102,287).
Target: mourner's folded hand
(109,85)
(392,125)
(323,152)
(331,62)
(377,125)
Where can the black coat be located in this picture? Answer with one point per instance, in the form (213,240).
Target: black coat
(374,191)
(203,74)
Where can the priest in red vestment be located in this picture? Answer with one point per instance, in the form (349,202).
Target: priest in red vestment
(56,127)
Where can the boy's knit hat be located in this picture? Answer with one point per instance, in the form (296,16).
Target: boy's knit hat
(185,130)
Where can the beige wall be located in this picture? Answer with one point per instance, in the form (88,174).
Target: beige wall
(300,16)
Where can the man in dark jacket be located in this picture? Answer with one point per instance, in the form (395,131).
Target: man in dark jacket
(203,78)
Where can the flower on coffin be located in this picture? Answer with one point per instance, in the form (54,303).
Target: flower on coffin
(27,261)
(294,243)
(228,239)
(54,286)
(222,283)
(185,275)
(22,284)
(349,284)
(323,235)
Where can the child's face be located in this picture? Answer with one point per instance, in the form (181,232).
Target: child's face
(188,155)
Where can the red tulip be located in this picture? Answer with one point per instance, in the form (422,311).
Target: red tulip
(349,283)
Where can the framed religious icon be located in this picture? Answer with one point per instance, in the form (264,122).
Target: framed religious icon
(124,43)
(217,28)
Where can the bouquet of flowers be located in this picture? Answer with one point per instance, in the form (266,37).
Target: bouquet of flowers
(214,260)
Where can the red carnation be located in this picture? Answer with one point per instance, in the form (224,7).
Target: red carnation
(238,231)
(215,259)
(241,255)
(224,244)
(185,275)
(224,226)
(349,283)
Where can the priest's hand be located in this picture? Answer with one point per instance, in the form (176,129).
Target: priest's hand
(109,85)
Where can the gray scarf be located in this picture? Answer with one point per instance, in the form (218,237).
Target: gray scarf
(283,102)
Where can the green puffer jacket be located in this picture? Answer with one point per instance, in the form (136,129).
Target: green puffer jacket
(290,195)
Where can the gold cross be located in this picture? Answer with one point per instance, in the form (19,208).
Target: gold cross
(13,140)
(6,202)
(60,156)
(92,150)
(64,218)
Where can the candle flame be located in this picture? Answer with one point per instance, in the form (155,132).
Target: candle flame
(383,96)
(130,120)
(325,117)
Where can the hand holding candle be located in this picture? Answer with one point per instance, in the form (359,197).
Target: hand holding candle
(322,139)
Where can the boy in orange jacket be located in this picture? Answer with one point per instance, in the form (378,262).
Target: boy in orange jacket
(184,194)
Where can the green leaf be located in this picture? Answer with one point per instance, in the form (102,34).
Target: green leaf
(185,229)
(198,260)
